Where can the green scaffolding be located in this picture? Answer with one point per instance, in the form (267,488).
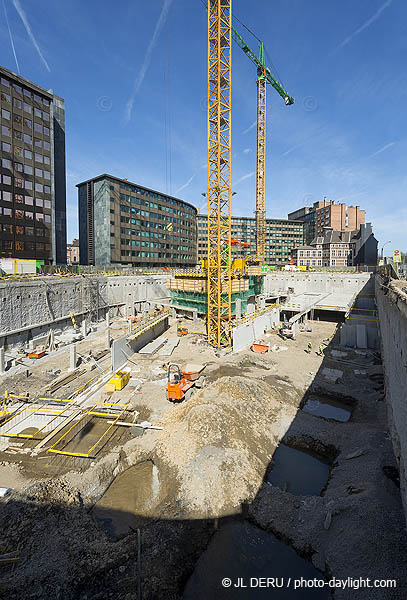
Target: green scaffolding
(200,301)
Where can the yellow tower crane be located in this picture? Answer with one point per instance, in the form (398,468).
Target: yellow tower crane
(219,171)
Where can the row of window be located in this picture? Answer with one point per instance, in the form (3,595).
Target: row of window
(137,190)
(26,184)
(147,203)
(23,230)
(24,214)
(24,91)
(21,199)
(18,245)
(19,135)
(6,115)
(144,254)
(6,147)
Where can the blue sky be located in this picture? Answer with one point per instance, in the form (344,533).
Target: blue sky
(133,75)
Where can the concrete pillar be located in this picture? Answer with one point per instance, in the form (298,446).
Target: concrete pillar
(107,337)
(31,345)
(238,308)
(195,315)
(72,357)
(84,327)
(2,361)
(107,319)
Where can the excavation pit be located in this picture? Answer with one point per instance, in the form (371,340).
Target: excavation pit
(245,553)
(328,408)
(300,472)
(132,496)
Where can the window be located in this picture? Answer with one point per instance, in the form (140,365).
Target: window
(46,131)
(27,108)
(18,151)
(29,230)
(47,161)
(28,185)
(5,97)
(18,167)
(45,116)
(38,157)
(47,189)
(39,216)
(37,128)
(6,196)
(28,139)
(39,187)
(38,172)
(29,215)
(47,218)
(29,200)
(28,154)
(47,203)
(5,114)
(18,134)
(37,98)
(19,198)
(46,102)
(46,145)
(7,228)
(5,130)
(27,93)
(17,88)
(28,169)
(47,175)
(6,179)
(18,119)
(39,202)
(19,230)
(37,143)
(37,113)
(6,163)
(19,214)
(7,212)
(17,103)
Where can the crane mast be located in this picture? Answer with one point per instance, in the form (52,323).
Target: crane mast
(261,161)
(219,171)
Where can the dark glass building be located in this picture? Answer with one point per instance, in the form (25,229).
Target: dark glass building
(32,171)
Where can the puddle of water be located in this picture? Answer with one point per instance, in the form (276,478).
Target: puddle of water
(241,550)
(328,408)
(299,472)
(133,495)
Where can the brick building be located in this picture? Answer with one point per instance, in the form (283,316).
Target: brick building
(72,253)
(326,213)
(339,249)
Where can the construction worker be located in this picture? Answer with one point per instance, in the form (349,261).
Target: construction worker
(320,350)
(308,351)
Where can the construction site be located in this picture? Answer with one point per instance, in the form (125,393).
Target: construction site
(224,431)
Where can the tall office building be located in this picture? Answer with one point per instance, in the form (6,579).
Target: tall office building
(325,213)
(281,236)
(32,171)
(124,223)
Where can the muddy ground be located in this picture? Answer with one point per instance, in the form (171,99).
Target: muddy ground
(170,490)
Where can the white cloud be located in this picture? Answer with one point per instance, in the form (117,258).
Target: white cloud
(252,126)
(380,150)
(365,25)
(147,58)
(24,19)
(244,177)
(190,180)
(247,150)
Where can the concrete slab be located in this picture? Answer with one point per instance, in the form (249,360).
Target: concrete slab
(361,336)
(153,346)
(169,347)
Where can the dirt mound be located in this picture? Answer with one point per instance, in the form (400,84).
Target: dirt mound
(220,442)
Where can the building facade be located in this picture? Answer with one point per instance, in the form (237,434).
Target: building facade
(124,223)
(32,171)
(339,249)
(72,253)
(326,213)
(281,236)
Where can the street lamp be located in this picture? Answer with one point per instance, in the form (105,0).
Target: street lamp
(385,244)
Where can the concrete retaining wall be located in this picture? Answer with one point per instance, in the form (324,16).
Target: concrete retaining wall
(246,333)
(392,306)
(29,309)
(318,283)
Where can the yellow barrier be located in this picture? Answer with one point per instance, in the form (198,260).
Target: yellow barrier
(83,421)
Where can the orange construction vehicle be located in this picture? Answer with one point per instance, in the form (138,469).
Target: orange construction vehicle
(180,383)
(181,330)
